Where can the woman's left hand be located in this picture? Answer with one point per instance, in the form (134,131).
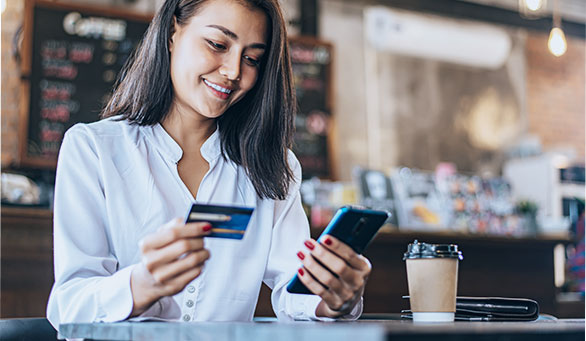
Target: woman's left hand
(340,278)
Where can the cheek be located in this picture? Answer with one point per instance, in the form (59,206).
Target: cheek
(249,78)
(176,80)
(179,66)
(189,63)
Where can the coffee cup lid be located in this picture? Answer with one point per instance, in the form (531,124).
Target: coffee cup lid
(424,250)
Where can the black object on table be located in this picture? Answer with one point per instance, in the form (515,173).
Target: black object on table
(489,309)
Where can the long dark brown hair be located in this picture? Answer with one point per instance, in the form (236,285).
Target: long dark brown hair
(256,132)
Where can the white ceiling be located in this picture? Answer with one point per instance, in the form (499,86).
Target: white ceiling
(572,10)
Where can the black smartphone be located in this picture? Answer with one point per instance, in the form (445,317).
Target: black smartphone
(355,227)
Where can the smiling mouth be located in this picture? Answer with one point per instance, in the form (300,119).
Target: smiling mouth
(217,90)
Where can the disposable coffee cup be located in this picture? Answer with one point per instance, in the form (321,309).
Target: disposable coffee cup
(432,275)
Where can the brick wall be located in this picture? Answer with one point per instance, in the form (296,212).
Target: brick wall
(12,19)
(556,93)
(11,92)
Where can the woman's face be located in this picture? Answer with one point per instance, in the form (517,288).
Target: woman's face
(215,57)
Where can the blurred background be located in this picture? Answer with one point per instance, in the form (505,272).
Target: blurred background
(465,119)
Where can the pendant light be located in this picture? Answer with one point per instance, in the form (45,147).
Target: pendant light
(557,43)
(532,9)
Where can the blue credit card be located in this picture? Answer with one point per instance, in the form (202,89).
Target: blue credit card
(227,221)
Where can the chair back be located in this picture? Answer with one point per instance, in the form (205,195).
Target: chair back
(23,329)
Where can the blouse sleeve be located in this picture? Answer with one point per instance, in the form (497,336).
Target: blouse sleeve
(290,230)
(89,286)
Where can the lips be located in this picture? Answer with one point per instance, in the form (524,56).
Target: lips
(218,90)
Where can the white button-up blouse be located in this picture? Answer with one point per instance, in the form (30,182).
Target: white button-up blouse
(118,182)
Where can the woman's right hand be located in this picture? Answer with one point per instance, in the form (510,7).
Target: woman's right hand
(172,257)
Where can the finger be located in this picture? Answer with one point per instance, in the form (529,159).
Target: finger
(159,257)
(325,277)
(345,252)
(176,268)
(334,263)
(333,301)
(179,283)
(172,231)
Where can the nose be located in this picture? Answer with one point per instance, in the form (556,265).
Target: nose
(231,66)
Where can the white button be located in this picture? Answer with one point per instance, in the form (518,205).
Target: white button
(186,317)
(189,303)
(191,289)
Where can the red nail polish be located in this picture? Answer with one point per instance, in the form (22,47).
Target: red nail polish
(300,255)
(301,272)
(328,241)
(309,245)
(206,228)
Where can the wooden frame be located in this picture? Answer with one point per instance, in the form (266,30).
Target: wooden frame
(331,148)
(24,159)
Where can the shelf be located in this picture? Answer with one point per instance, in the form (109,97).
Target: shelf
(393,234)
(29,212)
(442,236)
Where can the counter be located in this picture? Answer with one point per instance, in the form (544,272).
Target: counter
(559,330)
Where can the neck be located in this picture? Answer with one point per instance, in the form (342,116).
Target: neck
(188,130)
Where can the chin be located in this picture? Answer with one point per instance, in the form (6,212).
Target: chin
(213,114)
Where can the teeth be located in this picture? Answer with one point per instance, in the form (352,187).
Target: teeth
(217,87)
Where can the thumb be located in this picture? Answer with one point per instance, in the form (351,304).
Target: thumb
(172,223)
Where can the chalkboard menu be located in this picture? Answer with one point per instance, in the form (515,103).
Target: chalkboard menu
(71,57)
(311,62)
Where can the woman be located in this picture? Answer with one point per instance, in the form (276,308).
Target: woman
(203,112)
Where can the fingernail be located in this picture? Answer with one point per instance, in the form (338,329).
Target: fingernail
(206,228)
(309,245)
(300,255)
(328,241)
(301,272)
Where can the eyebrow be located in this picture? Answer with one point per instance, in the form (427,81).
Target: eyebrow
(235,36)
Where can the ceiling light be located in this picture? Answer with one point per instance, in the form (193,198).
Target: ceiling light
(533,5)
(557,43)
(532,9)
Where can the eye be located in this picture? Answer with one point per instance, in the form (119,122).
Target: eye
(251,61)
(216,46)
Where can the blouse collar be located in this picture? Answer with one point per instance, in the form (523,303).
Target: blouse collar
(171,150)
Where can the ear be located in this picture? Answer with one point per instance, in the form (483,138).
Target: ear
(172,31)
